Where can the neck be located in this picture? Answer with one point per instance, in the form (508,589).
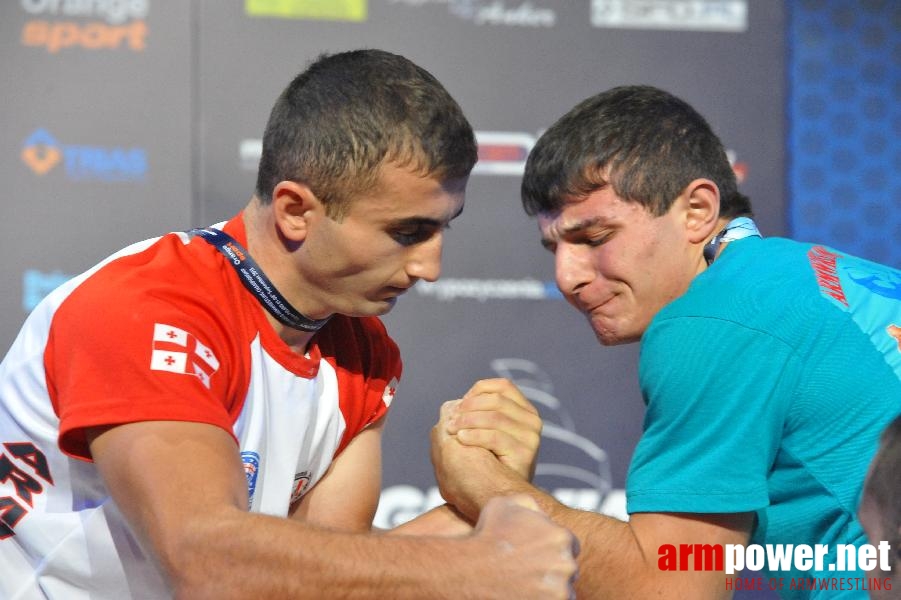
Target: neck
(296,339)
(274,258)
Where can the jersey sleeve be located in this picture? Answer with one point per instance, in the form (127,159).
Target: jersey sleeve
(717,397)
(368,366)
(123,351)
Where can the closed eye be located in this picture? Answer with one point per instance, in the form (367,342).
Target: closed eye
(582,238)
(416,234)
(597,240)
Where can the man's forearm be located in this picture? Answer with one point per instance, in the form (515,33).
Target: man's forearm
(513,551)
(251,555)
(618,559)
(442,520)
(611,562)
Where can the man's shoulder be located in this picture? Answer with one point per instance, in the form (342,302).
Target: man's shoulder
(751,274)
(358,341)
(162,279)
(767,286)
(161,266)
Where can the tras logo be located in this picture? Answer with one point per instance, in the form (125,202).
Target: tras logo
(42,153)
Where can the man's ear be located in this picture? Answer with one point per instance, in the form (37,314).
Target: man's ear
(294,205)
(701,203)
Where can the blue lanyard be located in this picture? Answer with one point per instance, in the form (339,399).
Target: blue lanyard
(256,281)
(736,229)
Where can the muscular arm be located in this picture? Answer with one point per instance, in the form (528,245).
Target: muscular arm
(181,486)
(620,559)
(347,496)
(617,559)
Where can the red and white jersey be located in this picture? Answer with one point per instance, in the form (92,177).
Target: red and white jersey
(163,330)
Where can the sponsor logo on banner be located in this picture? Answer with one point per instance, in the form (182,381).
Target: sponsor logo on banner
(177,351)
(449,290)
(57,25)
(419,3)
(326,10)
(740,168)
(42,152)
(500,12)
(494,12)
(572,467)
(249,152)
(36,285)
(503,152)
(500,152)
(703,15)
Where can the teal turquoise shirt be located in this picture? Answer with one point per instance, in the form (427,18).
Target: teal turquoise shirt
(768,384)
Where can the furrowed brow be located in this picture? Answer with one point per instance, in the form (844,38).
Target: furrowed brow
(569,231)
(580,226)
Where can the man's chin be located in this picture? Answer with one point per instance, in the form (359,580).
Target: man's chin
(611,337)
(377,308)
(387,305)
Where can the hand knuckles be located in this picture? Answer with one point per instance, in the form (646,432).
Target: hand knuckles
(504,382)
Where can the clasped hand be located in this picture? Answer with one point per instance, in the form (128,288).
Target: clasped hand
(488,436)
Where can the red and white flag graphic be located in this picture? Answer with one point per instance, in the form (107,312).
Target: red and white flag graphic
(178,351)
(390,391)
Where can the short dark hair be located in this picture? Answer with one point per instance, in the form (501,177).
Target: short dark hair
(883,485)
(347,114)
(644,142)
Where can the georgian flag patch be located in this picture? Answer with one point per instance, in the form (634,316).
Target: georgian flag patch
(390,391)
(177,351)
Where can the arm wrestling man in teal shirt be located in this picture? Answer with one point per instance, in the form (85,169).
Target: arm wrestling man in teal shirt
(769,367)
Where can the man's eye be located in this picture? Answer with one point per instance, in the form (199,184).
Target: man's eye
(597,240)
(409,237)
(415,235)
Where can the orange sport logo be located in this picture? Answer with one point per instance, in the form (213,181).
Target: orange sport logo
(59,25)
